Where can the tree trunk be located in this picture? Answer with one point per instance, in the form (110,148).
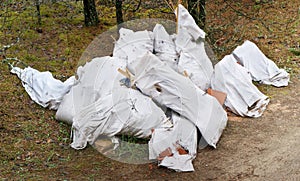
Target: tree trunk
(90,13)
(38,12)
(197,10)
(119,12)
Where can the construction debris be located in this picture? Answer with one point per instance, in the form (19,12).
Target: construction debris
(176,147)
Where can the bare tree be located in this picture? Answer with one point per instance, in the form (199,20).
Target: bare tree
(38,12)
(90,13)
(119,12)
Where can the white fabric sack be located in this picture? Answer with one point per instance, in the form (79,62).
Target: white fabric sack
(192,56)
(190,46)
(100,105)
(262,69)
(126,111)
(132,44)
(177,162)
(168,88)
(97,78)
(184,134)
(42,87)
(186,23)
(243,98)
(164,47)
(194,60)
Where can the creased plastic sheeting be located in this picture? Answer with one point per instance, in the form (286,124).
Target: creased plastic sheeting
(243,98)
(164,47)
(184,134)
(42,87)
(262,69)
(132,44)
(186,23)
(157,80)
(102,106)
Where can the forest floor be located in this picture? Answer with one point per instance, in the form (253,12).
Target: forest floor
(35,146)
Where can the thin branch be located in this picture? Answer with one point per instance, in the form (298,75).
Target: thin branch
(5,47)
(138,6)
(170,5)
(15,62)
(249,17)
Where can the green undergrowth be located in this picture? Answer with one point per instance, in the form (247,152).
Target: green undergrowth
(34,145)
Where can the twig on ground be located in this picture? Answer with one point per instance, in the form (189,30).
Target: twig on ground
(15,62)
(247,16)
(5,47)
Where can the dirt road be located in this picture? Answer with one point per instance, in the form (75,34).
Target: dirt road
(267,148)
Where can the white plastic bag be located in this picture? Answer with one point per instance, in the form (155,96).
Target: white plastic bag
(126,111)
(262,69)
(42,87)
(132,44)
(183,135)
(186,23)
(164,47)
(100,105)
(189,43)
(168,88)
(97,78)
(243,98)
(193,60)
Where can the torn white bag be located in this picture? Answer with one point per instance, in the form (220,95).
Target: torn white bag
(164,47)
(243,98)
(125,111)
(262,69)
(42,87)
(97,78)
(100,105)
(183,134)
(132,44)
(186,23)
(189,43)
(194,60)
(157,80)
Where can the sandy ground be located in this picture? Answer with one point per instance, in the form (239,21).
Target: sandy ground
(267,148)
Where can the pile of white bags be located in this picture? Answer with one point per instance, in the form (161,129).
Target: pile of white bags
(162,72)
(177,92)
(100,105)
